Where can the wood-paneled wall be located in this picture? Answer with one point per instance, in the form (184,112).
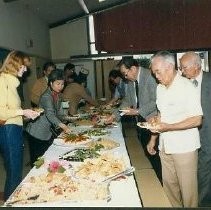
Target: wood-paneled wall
(152,25)
(103,67)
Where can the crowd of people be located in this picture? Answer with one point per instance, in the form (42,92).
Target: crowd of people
(177,102)
(178,105)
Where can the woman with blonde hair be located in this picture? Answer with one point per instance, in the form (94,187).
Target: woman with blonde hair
(11,122)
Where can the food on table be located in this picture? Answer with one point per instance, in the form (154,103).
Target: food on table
(95,132)
(107,107)
(73,138)
(39,162)
(80,154)
(147,125)
(102,124)
(98,168)
(36,109)
(126,110)
(72,118)
(102,99)
(105,142)
(53,187)
(84,122)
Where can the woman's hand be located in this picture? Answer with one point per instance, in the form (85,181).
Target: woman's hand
(31,114)
(65,128)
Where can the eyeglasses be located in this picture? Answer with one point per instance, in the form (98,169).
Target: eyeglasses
(181,68)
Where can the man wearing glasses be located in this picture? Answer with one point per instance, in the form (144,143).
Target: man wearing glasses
(141,94)
(180,115)
(190,66)
(140,100)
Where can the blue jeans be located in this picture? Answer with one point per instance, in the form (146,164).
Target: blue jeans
(11,146)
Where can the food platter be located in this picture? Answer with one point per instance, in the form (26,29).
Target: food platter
(107,143)
(55,187)
(39,110)
(72,118)
(102,124)
(102,99)
(80,154)
(148,126)
(98,169)
(124,110)
(95,132)
(72,139)
(84,122)
(86,170)
(90,150)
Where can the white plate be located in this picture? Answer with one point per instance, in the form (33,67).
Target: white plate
(124,110)
(147,126)
(74,117)
(92,107)
(102,99)
(60,142)
(39,110)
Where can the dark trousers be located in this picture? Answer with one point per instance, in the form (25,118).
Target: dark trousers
(204,177)
(11,145)
(37,148)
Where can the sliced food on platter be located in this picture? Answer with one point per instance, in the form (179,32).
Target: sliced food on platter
(124,110)
(102,124)
(71,139)
(37,109)
(80,154)
(98,169)
(95,132)
(105,142)
(147,125)
(52,187)
(72,118)
(84,122)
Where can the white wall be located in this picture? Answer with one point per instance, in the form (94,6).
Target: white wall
(19,24)
(69,39)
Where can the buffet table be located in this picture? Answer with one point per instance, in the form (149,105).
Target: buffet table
(123,192)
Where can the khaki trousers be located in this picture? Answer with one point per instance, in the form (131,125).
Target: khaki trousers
(179,172)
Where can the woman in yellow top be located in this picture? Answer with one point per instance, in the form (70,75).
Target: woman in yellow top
(11,141)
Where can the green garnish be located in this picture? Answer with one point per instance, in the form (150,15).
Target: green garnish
(39,162)
(83,153)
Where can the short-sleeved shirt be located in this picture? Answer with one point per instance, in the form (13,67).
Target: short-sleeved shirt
(176,103)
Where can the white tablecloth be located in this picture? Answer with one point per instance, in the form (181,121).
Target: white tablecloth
(124,193)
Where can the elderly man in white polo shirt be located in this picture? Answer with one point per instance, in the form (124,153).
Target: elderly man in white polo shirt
(180,114)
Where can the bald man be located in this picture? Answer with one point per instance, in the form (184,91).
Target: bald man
(190,66)
(180,114)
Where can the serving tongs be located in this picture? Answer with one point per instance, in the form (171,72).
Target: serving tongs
(34,197)
(127,172)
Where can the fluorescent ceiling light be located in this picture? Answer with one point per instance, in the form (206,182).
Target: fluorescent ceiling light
(101,0)
(83,5)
